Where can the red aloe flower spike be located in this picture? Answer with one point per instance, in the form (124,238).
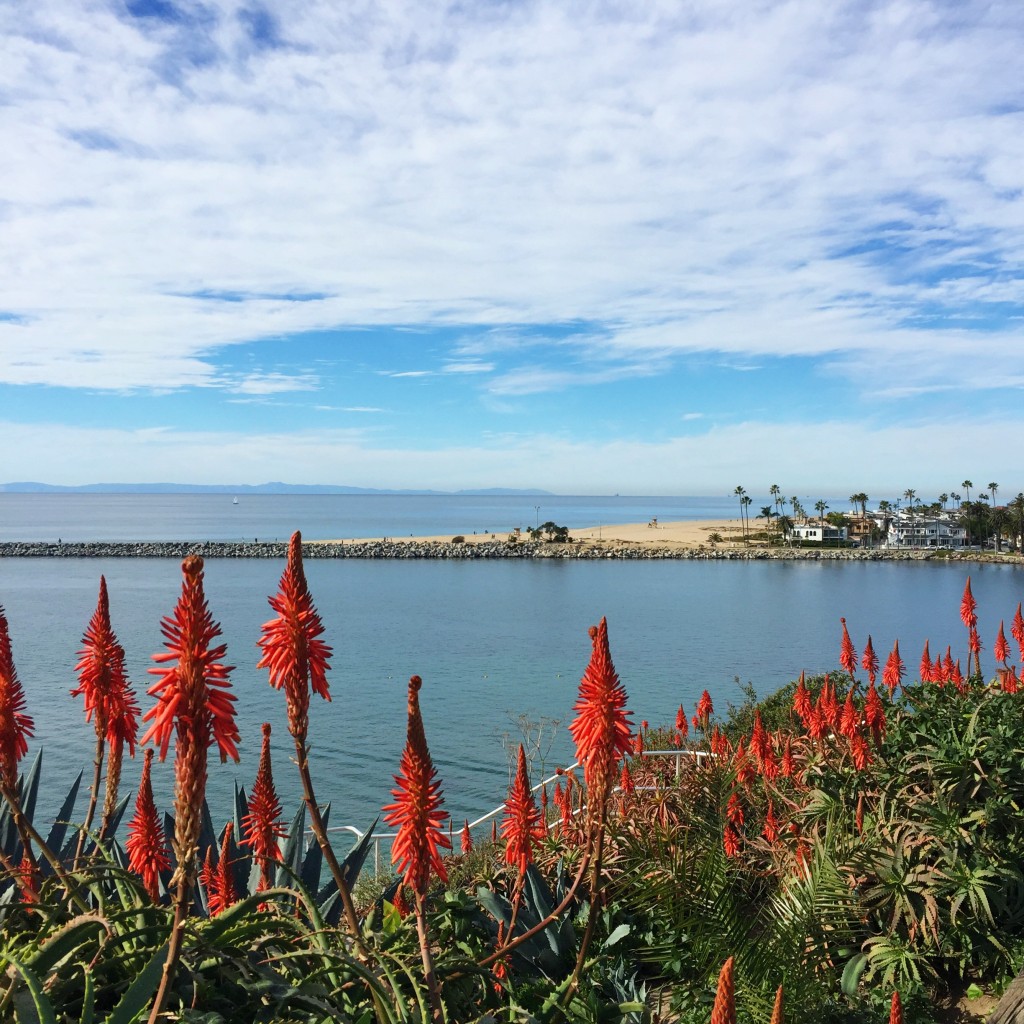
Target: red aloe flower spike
(849,722)
(1010,682)
(745,773)
(110,702)
(777,1017)
(957,678)
(15,726)
(734,810)
(860,752)
(760,744)
(968,607)
(874,714)
(817,723)
(1017,630)
(832,709)
(522,827)
(638,744)
(705,709)
(261,827)
(896,1010)
(771,824)
(1002,648)
(146,845)
(466,838)
(731,841)
(681,724)
(400,903)
(926,665)
(192,699)
(724,1010)
(226,879)
(601,728)
(869,660)
(27,878)
(947,666)
(788,767)
(858,818)
(939,672)
(847,653)
(416,812)
(626,780)
(292,649)
(894,668)
(802,700)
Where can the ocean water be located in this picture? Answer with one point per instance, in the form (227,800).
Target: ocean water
(500,646)
(85,517)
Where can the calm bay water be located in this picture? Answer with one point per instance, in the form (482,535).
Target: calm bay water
(492,640)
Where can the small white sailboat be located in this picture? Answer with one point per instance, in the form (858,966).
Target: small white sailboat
(234,501)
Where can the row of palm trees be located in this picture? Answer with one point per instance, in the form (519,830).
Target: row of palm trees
(982,519)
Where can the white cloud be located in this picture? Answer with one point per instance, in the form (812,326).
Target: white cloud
(694,181)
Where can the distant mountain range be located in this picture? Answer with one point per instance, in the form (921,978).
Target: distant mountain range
(275,487)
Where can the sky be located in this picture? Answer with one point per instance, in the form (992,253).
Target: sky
(590,247)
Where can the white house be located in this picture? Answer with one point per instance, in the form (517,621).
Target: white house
(820,533)
(920,531)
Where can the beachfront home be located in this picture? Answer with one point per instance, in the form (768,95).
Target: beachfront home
(921,531)
(819,533)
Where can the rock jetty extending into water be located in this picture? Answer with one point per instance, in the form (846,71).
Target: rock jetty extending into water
(412,549)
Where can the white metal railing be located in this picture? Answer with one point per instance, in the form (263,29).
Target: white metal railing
(381,837)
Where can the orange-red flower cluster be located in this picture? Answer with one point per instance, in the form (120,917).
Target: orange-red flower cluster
(146,845)
(601,727)
(110,702)
(15,726)
(261,827)
(724,1010)
(892,676)
(219,879)
(416,812)
(522,828)
(292,649)
(847,652)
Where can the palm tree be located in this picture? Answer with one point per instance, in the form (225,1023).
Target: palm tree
(956,498)
(910,494)
(776,492)
(785,525)
(766,514)
(746,501)
(943,498)
(992,488)
(967,485)
(1017,513)
(740,492)
(819,507)
(999,518)
(885,508)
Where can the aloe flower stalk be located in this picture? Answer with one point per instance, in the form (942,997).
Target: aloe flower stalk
(466,838)
(892,675)
(298,660)
(874,714)
(16,728)
(261,827)
(731,840)
(926,665)
(218,879)
(1017,629)
(896,1010)
(771,824)
(194,704)
(626,783)
(777,1017)
(724,1010)
(601,728)
(146,845)
(522,827)
(1002,648)
(849,721)
(110,705)
(802,700)
(869,660)
(417,815)
(847,652)
(705,709)
(681,724)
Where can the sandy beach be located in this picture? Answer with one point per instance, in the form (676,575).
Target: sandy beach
(690,533)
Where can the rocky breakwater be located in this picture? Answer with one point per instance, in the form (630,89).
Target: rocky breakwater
(413,549)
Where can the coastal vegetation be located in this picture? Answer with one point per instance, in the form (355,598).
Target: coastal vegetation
(847,848)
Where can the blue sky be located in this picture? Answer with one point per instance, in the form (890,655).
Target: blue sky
(590,247)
